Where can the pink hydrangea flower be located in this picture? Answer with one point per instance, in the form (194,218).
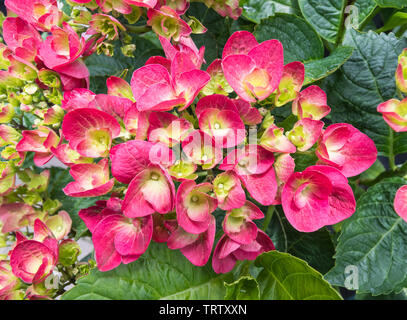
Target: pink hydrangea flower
(394,114)
(284,167)
(317,197)
(167,23)
(219,118)
(68,156)
(118,87)
(249,115)
(196,248)
(238,223)
(229,191)
(274,140)
(201,149)
(132,157)
(151,190)
(167,128)
(77,98)
(34,260)
(254,166)
(43,14)
(90,131)
(290,84)
(194,206)
(253,70)
(228,252)
(186,45)
(311,103)
(346,148)
(154,88)
(305,133)
(116,238)
(142,3)
(21,37)
(16,215)
(228,8)
(59,224)
(91,180)
(39,141)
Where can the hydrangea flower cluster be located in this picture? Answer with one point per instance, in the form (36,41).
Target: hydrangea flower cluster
(174,151)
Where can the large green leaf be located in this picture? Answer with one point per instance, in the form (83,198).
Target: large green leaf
(396,20)
(365,81)
(399,4)
(285,277)
(255,10)
(318,69)
(316,248)
(59,178)
(158,274)
(365,9)
(374,240)
(300,41)
(246,288)
(326,16)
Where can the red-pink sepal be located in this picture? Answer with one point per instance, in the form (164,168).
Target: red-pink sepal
(167,128)
(77,98)
(16,215)
(400,202)
(62,47)
(253,71)
(39,141)
(317,197)
(130,158)
(142,3)
(254,166)
(91,180)
(151,190)
(311,103)
(43,14)
(33,260)
(393,113)
(346,148)
(136,122)
(229,191)
(284,167)
(161,233)
(167,23)
(186,45)
(194,206)
(290,84)
(90,131)
(118,87)
(21,37)
(196,248)
(305,133)
(274,140)
(238,223)
(250,115)
(201,149)
(68,156)
(226,8)
(228,252)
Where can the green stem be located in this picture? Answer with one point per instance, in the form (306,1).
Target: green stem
(137,29)
(269,215)
(392,158)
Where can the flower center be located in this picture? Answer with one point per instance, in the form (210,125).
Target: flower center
(155,176)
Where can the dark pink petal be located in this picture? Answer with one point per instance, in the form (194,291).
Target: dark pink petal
(215,101)
(240,42)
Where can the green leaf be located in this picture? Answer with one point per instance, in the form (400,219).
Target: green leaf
(318,69)
(300,41)
(365,9)
(285,277)
(246,288)
(59,178)
(399,4)
(160,273)
(396,20)
(255,10)
(316,248)
(326,16)
(374,240)
(365,81)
